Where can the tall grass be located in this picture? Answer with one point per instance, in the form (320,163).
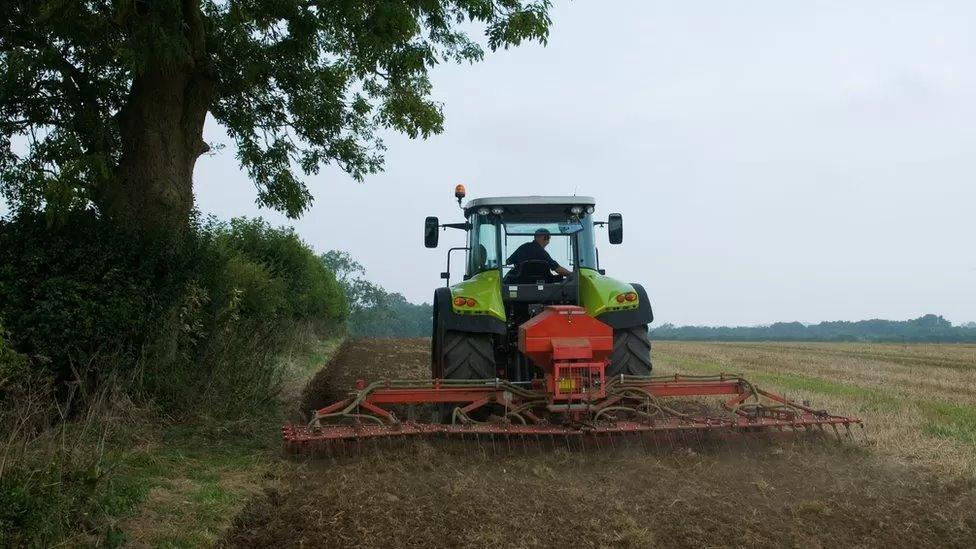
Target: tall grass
(53,468)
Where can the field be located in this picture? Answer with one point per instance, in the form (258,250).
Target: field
(919,400)
(909,484)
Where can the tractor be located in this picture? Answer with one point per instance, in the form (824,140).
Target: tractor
(476,321)
(536,343)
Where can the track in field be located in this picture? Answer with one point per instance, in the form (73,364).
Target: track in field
(764,494)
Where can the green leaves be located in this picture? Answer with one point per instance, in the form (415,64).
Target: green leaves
(299,83)
(307,83)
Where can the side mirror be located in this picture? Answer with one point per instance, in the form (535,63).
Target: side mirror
(431,232)
(615,228)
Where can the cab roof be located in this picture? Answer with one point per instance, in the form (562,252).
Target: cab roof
(530,201)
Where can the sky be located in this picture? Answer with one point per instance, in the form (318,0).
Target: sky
(773,160)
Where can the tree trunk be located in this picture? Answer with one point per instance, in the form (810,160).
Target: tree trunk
(162,135)
(161,129)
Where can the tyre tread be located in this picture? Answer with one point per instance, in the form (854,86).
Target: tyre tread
(631,352)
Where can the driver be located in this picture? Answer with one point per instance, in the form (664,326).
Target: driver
(535,250)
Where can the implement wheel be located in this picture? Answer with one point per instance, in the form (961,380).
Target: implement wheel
(467,356)
(631,352)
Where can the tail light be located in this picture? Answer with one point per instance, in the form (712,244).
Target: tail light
(629,296)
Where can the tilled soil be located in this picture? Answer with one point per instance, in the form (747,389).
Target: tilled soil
(797,493)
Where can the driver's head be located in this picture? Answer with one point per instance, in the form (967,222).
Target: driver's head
(542,237)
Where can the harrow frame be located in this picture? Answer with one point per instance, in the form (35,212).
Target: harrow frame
(628,405)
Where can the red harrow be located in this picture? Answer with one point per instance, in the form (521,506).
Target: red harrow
(573,400)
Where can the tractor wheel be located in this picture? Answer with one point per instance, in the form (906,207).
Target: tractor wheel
(631,352)
(467,356)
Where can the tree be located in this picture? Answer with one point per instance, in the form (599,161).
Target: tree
(373,311)
(103,102)
(360,293)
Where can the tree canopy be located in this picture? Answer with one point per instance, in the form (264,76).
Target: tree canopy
(102,102)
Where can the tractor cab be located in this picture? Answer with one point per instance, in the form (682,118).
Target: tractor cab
(527,240)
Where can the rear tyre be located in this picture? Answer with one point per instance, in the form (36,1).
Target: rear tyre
(467,356)
(464,356)
(631,352)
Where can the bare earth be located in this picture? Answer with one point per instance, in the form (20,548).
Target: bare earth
(809,493)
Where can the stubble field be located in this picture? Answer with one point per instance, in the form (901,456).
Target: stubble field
(909,484)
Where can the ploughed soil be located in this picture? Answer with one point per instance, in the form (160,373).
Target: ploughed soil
(804,492)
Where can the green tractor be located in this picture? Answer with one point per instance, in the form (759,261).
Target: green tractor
(507,281)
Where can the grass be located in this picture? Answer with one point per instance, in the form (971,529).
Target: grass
(918,401)
(124,476)
(184,485)
(951,421)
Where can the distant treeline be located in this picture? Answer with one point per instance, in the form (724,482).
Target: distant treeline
(928,328)
(374,311)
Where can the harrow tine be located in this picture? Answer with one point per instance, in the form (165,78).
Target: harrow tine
(481,445)
(697,435)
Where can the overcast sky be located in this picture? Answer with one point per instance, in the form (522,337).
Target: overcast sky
(773,160)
